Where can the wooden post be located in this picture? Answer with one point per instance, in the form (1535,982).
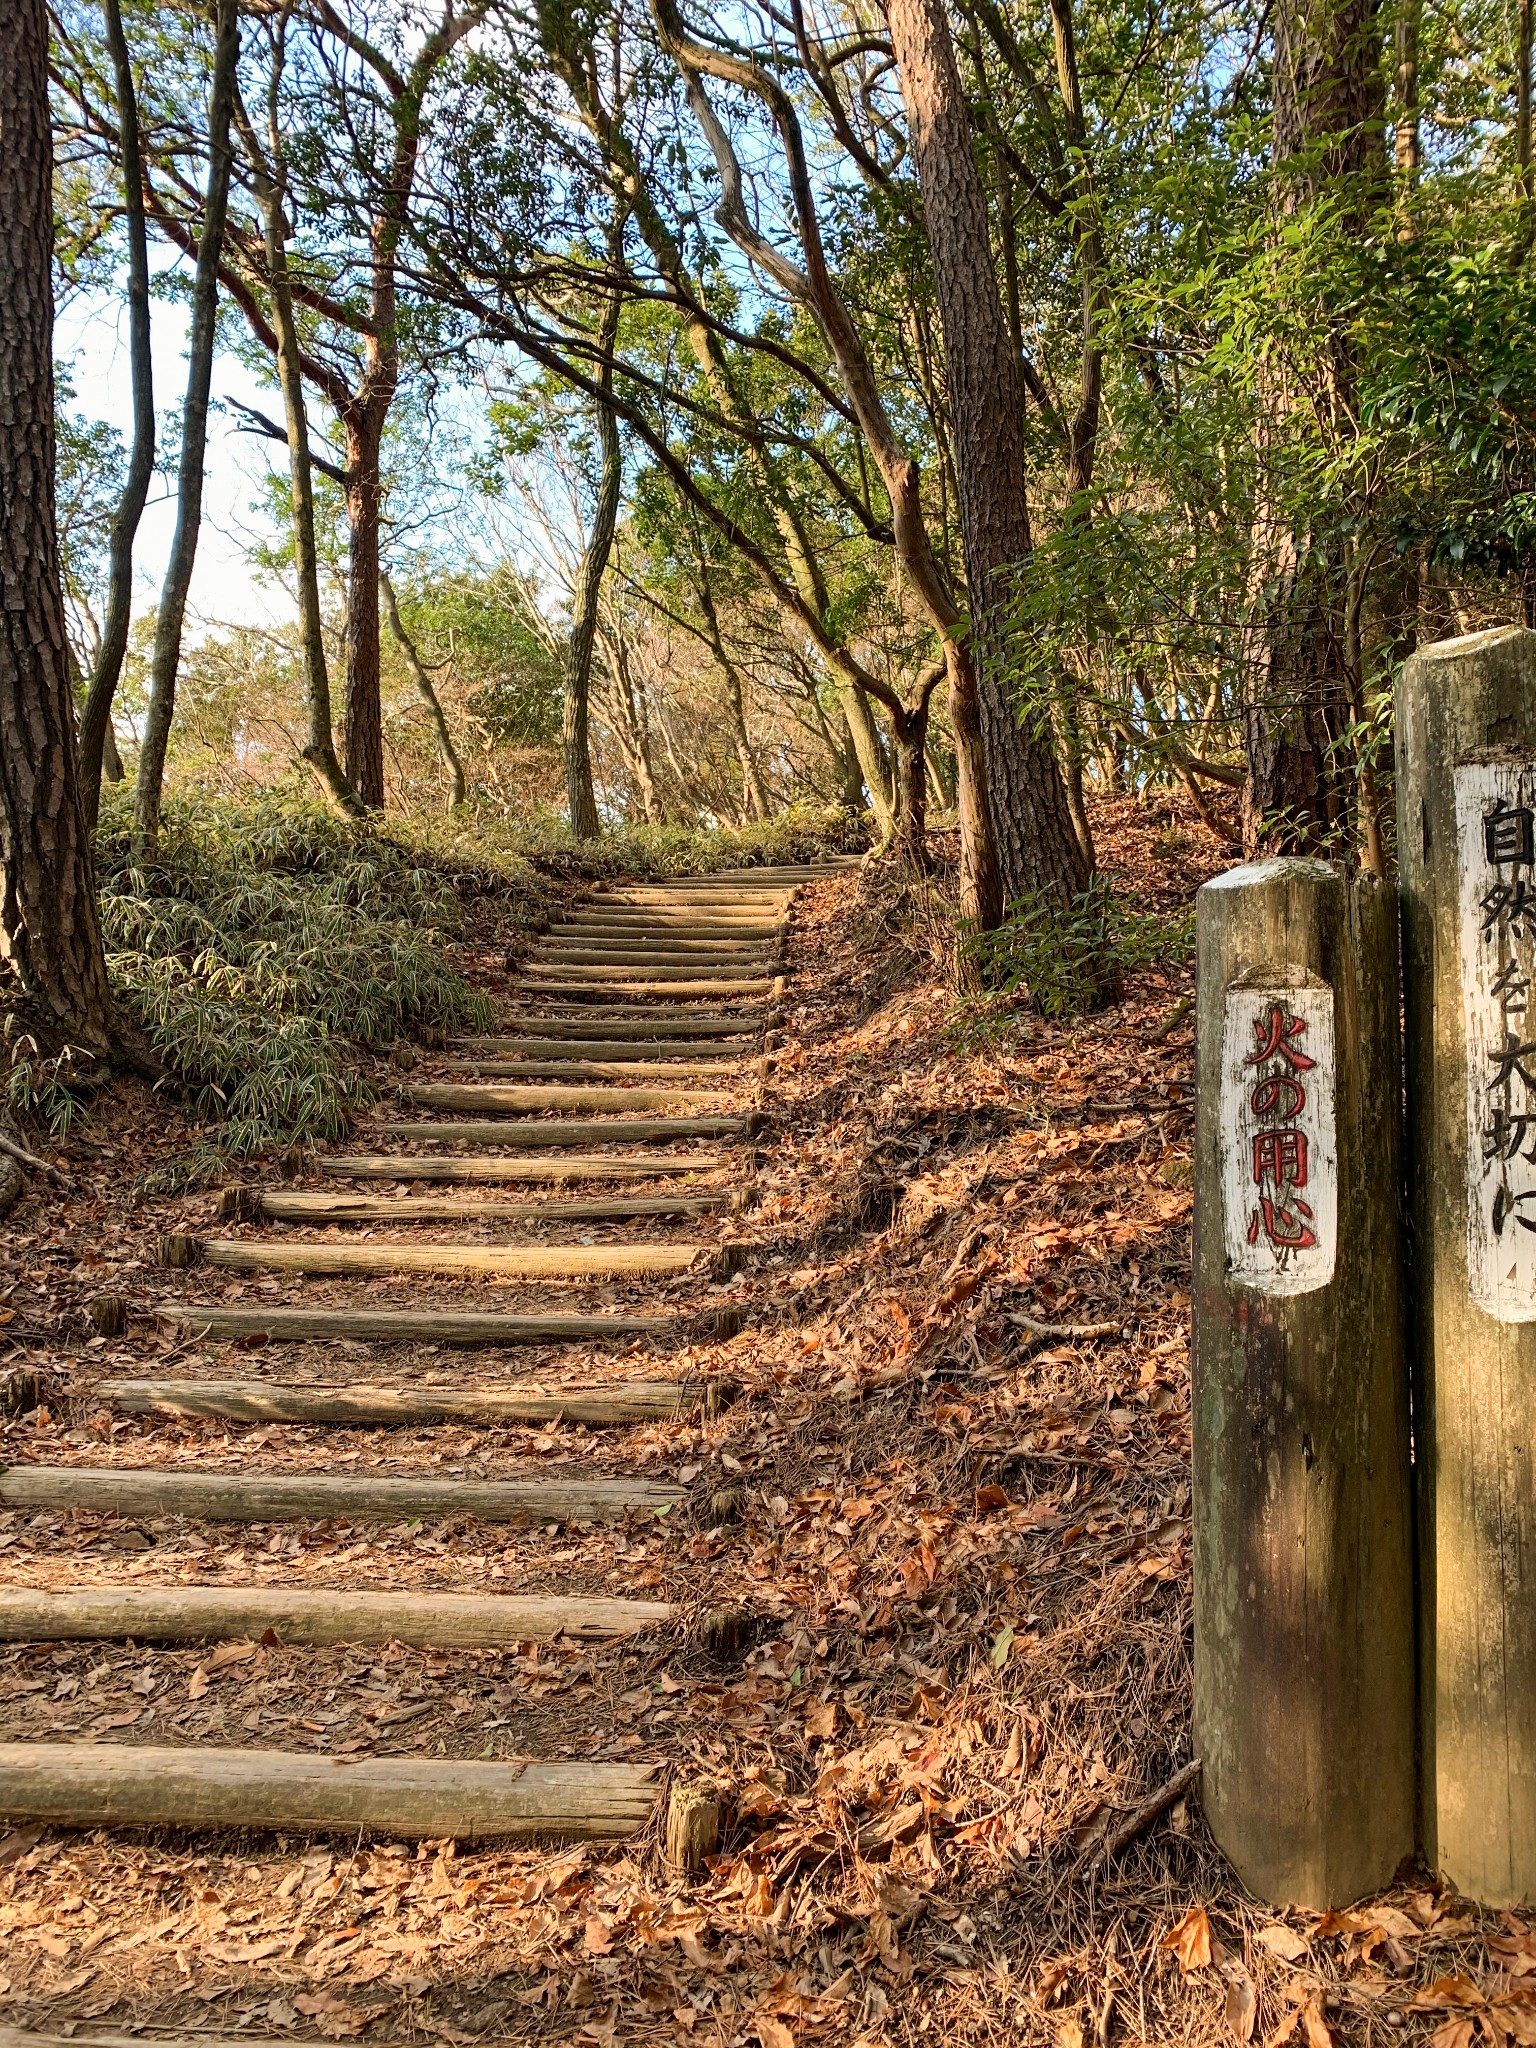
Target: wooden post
(1304,1690)
(1466,739)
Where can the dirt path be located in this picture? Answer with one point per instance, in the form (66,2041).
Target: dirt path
(614,1182)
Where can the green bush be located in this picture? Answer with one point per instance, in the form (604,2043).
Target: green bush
(1068,962)
(266,943)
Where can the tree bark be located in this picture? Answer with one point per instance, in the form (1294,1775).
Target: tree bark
(49,934)
(458,788)
(194,440)
(865,738)
(98,747)
(1037,849)
(270,184)
(363,723)
(585,598)
(1297,674)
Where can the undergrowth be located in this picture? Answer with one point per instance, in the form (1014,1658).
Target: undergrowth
(270,940)
(1066,963)
(264,945)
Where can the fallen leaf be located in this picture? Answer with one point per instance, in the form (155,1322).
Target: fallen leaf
(1069,2031)
(230,1653)
(1242,2002)
(1318,2034)
(1190,1941)
(773,2033)
(821,1719)
(18,1844)
(598,1939)
(1455,2032)
(1283,1941)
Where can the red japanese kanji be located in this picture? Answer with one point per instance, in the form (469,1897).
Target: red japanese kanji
(1285,1231)
(1280,1156)
(1279,1095)
(1276,1033)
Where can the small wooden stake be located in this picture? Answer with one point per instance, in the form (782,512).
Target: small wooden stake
(693,1827)
(1304,1692)
(109,1314)
(179,1250)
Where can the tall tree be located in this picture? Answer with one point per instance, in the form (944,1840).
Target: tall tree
(269,181)
(97,745)
(1301,671)
(50,936)
(587,594)
(194,438)
(1038,848)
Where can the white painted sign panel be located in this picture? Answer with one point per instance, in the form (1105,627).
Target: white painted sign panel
(1279,1150)
(1496,867)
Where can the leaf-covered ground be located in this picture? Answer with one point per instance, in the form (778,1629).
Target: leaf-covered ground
(963,1546)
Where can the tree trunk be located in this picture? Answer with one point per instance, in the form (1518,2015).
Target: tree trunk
(49,935)
(194,441)
(634,735)
(580,795)
(96,717)
(866,746)
(1037,849)
(363,730)
(1297,683)
(320,743)
(457,787)
(909,842)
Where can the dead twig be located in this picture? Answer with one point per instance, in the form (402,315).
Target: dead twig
(1171,1022)
(1140,1817)
(1075,1330)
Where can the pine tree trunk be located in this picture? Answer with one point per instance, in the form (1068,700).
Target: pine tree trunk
(194,441)
(98,747)
(49,934)
(363,726)
(1298,677)
(1036,846)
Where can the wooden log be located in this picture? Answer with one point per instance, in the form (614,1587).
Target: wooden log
(333,1208)
(407,1326)
(177,1250)
(327,1496)
(370,1406)
(672,935)
(510,1097)
(735,1031)
(504,1262)
(627,1055)
(628,1131)
(106,1785)
(596,1070)
(709,978)
(1304,1660)
(679,961)
(573,1166)
(693,1827)
(1466,766)
(539,985)
(194,1614)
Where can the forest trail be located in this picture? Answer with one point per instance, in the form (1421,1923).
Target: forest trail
(645,1018)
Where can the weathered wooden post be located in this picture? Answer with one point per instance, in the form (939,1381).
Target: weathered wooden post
(1466,752)
(1304,1682)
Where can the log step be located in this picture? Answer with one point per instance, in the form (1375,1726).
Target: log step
(628,1054)
(674,934)
(409,1326)
(573,1166)
(630,1131)
(685,1024)
(512,1097)
(327,1496)
(553,989)
(667,980)
(697,1068)
(505,1262)
(251,1205)
(201,1614)
(365,1406)
(660,962)
(99,1784)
